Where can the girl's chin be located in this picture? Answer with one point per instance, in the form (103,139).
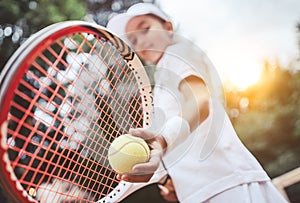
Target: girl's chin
(152,57)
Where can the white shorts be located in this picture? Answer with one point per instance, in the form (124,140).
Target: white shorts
(256,192)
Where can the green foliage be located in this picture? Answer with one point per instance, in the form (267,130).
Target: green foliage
(10,11)
(61,10)
(31,16)
(270,125)
(40,13)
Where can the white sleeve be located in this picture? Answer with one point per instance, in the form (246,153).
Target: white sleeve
(169,100)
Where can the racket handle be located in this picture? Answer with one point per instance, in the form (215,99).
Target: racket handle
(124,188)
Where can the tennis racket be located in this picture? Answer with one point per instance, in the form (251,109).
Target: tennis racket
(66,94)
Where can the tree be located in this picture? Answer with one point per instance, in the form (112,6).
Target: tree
(270,123)
(266,116)
(20,19)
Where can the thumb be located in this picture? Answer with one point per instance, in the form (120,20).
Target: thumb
(3,129)
(142,133)
(164,190)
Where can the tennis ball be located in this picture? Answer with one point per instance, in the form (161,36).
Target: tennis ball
(126,151)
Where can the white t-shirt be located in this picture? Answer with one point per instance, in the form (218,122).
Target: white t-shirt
(212,158)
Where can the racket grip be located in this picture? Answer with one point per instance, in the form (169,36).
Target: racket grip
(124,188)
(121,191)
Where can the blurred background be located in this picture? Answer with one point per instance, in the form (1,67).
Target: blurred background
(254,45)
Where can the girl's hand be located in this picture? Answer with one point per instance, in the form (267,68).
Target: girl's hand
(3,128)
(167,190)
(144,171)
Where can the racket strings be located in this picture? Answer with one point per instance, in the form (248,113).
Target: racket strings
(78,95)
(127,90)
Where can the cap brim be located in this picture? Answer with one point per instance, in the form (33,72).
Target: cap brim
(118,25)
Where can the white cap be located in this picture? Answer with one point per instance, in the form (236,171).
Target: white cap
(118,23)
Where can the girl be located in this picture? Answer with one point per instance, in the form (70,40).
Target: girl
(191,132)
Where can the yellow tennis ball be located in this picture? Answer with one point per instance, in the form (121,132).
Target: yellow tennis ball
(126,151)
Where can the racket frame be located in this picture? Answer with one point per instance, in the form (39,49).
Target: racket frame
(19,63)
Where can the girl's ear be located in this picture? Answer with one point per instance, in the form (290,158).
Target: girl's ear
(168,26)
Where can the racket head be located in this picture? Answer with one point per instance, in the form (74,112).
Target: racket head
(66,93)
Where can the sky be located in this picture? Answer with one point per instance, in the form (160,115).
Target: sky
(239,35)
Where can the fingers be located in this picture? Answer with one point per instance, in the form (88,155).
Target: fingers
(170,196)
(143,133)
(155,141)
(135,178)
(144,171)
(3,129)
(150,166)
(168,192)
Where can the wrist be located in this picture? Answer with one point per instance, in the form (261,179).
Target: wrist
(175,131)
(162,142)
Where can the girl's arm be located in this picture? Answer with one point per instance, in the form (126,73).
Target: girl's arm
(195,110)
(196,105)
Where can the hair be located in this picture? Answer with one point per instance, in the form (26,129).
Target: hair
(157,17)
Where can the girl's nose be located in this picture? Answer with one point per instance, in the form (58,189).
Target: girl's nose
(139,45)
